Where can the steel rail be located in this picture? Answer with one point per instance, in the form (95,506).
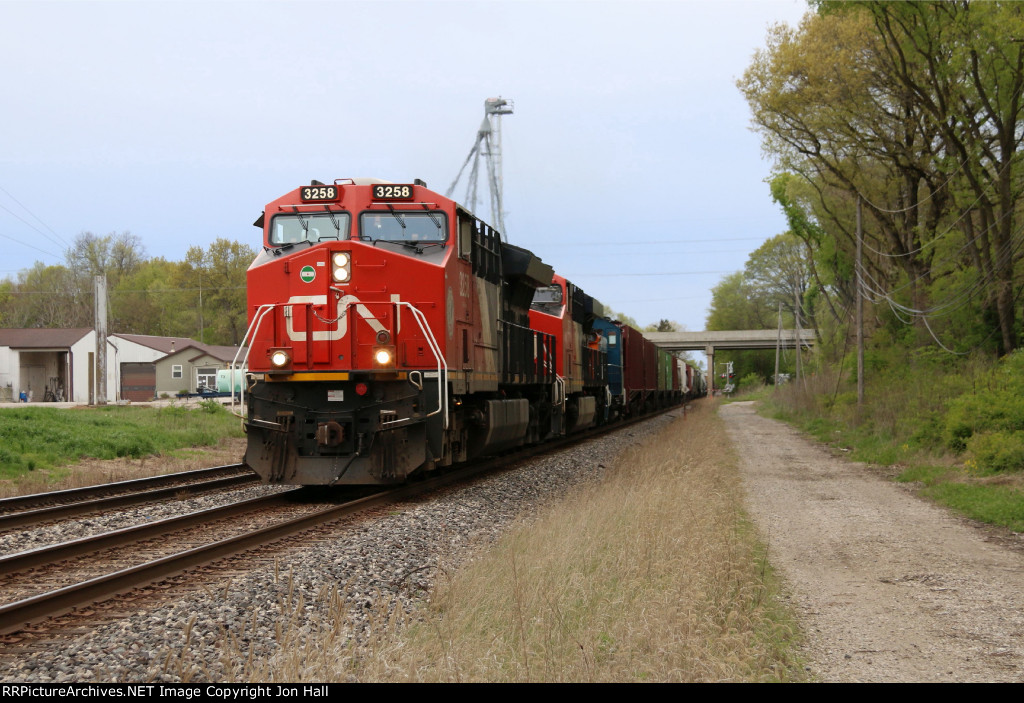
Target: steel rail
(18,615)
(22,502)
(55,553)
(31,517)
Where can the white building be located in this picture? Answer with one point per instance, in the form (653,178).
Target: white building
(59,364)
(47,364)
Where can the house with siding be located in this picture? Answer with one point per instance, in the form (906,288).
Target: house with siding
(193,366)
(59,364)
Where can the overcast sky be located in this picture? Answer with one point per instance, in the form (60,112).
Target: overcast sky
(629,164)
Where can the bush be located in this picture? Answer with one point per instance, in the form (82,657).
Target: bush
(997,406)
(993,452)
(751,382)
(211,406)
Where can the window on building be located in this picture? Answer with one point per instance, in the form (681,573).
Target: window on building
(206,377)
(176,371)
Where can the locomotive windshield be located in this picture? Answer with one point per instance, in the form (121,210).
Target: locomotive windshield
(313,227)
(403,226)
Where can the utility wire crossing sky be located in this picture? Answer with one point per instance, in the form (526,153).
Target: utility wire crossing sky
(629,165)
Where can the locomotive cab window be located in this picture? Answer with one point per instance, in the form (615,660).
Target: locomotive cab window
(402,226)
(313,227)
(548,299)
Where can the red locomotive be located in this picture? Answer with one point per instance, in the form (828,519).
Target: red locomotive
(391,332)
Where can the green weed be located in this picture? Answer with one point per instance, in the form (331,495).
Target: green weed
(46,438)
(994,504)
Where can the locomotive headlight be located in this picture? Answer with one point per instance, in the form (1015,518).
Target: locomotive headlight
(341,267)
(280,358)
(384,356)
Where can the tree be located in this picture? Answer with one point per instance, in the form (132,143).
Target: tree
(915,110)
(665,325)
(216,277)
(776,275)
(621,317)
(962,63)
(113,256)
(44,296)
(827,113)
(148,301)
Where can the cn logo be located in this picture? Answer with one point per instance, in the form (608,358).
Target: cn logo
(345,306)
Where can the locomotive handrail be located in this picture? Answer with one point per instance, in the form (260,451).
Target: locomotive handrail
(442,365)
(254,327)
(559,392)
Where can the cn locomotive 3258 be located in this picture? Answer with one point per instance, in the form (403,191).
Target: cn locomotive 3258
(391,333)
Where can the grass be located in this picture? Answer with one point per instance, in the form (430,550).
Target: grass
(653,575)
(39,446)
(750,391)
(994,504)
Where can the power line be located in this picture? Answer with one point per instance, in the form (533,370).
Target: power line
(633,243)
(666,273)
(919,203)
(24,244)
(115,291)
(37,218)
(934,240)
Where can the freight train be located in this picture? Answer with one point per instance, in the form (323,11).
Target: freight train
(392,332)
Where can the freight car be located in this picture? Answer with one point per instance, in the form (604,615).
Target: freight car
(393,332)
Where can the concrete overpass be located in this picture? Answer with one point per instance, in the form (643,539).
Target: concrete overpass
(729,339)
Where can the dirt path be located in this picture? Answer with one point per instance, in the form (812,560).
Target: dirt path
(887,586)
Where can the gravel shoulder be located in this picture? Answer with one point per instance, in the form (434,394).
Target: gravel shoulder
(887,587)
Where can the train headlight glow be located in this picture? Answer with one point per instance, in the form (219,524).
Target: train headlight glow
(341,267)
(382,357)
(280,358)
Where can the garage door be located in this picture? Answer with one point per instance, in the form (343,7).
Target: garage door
(138,381)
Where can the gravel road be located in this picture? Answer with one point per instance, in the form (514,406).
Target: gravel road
(887,586)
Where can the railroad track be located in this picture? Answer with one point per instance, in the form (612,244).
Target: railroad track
(92,569)
(22,511)
(58,579)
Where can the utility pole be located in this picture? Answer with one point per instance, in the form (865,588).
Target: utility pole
(100,287)
(796,314)
(860,310)
(778,345)
(201,340)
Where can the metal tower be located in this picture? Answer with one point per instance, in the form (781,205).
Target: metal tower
(487,144)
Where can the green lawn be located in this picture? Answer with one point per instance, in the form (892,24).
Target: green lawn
(34,438)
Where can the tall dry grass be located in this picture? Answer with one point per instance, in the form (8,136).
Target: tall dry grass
(653,575)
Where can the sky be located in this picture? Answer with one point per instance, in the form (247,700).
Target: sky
(629,164)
